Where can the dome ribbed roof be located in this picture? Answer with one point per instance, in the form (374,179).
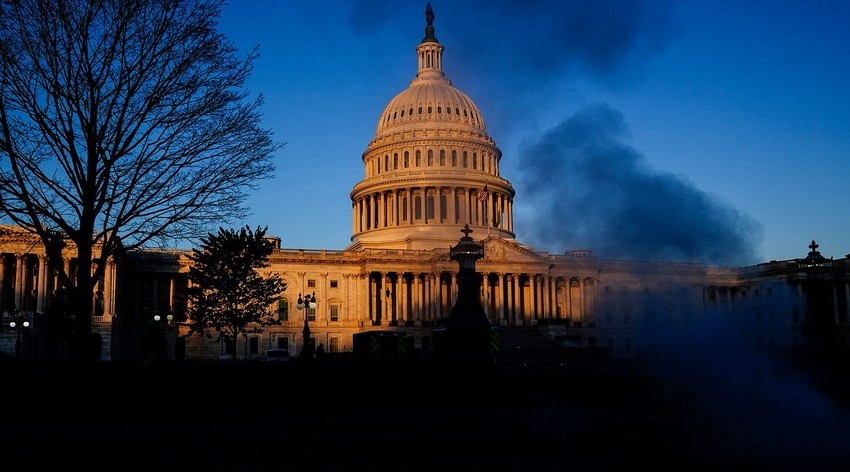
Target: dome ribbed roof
(431,100)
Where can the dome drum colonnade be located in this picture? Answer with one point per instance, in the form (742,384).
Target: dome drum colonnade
(431,167)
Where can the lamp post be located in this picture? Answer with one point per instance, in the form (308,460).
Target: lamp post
(306,303)
(19,323)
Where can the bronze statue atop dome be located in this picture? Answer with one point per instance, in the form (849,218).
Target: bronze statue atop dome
(429,27)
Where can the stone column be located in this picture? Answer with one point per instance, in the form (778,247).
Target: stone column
(515,308)
(450,207)
(454,289)
(438,295)
(403,312)
(41,293)
(382,210)
(415,300)
(19,280)
(500,299)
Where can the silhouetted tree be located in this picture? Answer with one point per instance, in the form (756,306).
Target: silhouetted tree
(122,123)
(227,293)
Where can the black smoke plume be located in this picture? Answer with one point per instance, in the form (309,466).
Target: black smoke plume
(588,189)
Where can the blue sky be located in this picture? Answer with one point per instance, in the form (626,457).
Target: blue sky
(724,114)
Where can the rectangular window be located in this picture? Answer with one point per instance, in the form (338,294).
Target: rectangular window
(283,309)
(253,345)
(334,283)
(282,342)
(333,344)
(311,314)
(334,312)
(311,283)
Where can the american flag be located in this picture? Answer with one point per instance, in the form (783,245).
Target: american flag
(483,195)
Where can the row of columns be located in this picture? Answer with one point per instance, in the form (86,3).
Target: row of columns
(33,282)
(508,299)
(393,208)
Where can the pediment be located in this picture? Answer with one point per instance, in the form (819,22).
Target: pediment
(501,250)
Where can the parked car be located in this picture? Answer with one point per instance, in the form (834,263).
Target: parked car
(277,355)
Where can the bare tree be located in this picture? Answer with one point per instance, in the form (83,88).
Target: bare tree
(123,123)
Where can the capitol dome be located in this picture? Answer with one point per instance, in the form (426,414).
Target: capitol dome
(431,167)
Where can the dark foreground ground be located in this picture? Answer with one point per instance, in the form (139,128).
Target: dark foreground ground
(345,416)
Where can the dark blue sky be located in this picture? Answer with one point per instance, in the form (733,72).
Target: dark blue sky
(733,117)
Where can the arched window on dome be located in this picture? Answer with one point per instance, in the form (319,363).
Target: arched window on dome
(448,111)
(386,163)
(395,114)
(430,157)
(395,161)
(439,110)
(418,161)
(457,111)
(430,110)
(404,208)
(410,112)
(417,207)
(475,160)
(442,157)
(402,112)
(454,158)
(465,160)
(406,159)
(429,207)
(464,113)
(420,110)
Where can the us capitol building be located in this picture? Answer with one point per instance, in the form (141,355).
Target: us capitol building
(431,169)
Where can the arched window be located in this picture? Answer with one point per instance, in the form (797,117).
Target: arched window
(430,110)
(410,112)
(417,207)
(439,110)
(465,160)
(418,161)
(420,110)
(406,159)
(395,161)
(429,207)
(403,208)
(386,163)
(430,157)
(454,158)
(474,160)
(442,157)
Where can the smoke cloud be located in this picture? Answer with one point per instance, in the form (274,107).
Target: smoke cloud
(587,189)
